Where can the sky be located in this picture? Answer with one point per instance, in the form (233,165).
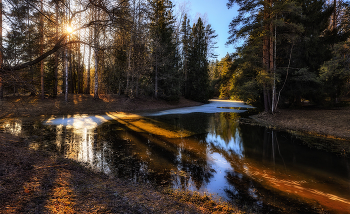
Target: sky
(218,15)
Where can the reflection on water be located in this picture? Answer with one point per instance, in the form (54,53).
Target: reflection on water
(78,143)
(75,139)
(12,126)
(247,165)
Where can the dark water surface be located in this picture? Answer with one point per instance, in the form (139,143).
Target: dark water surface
(205,151)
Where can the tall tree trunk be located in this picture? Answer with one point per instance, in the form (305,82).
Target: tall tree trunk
(274,96)
(156,79)
(56,57)
(266,57)
(128,72)
(1,57)
(83,71)
(271,61)
(42,51)
(88,73)
(79,71)
(96,64)
(96,73)
(268,63)
(335,15)
(96,43)
(66,70)
(70,71)
(66,74)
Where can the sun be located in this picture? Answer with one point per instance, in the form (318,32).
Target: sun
(69,29)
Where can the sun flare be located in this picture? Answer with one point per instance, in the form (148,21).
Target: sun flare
(69,29)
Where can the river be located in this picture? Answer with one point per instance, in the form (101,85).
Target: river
(202,149)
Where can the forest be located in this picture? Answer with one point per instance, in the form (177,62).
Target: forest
(287,52)
(126,47)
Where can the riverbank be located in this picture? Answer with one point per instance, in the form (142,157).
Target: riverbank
(29,106)
(323,124)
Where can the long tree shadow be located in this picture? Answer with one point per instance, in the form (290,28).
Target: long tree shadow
(26,178)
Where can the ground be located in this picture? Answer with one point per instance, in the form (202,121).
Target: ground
(83,104)
(328,128)
(34,181)
(329,123)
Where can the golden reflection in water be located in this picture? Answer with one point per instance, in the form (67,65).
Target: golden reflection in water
(291,183)
(75,138)
(141,124)
(12,126)
(303,188)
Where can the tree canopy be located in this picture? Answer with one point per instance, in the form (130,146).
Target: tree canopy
(290,53)
(130,47)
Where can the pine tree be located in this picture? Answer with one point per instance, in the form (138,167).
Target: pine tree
(256,24)
(198,73)
(164,51)
(310,49)
(186,42)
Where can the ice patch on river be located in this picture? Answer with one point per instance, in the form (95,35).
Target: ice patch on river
(215,106)
(91,122)
(79,121)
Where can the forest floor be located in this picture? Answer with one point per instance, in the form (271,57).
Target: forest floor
(26,106)
(329,123)
(34,181)
(325,124)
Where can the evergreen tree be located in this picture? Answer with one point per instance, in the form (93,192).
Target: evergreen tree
(186,42)
(164,51)
(286,42)
(255,23)
(310,49)
(335,73)
(198,68)
(21,44)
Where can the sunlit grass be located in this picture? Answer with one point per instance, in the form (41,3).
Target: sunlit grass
(62,196)
(203,200)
